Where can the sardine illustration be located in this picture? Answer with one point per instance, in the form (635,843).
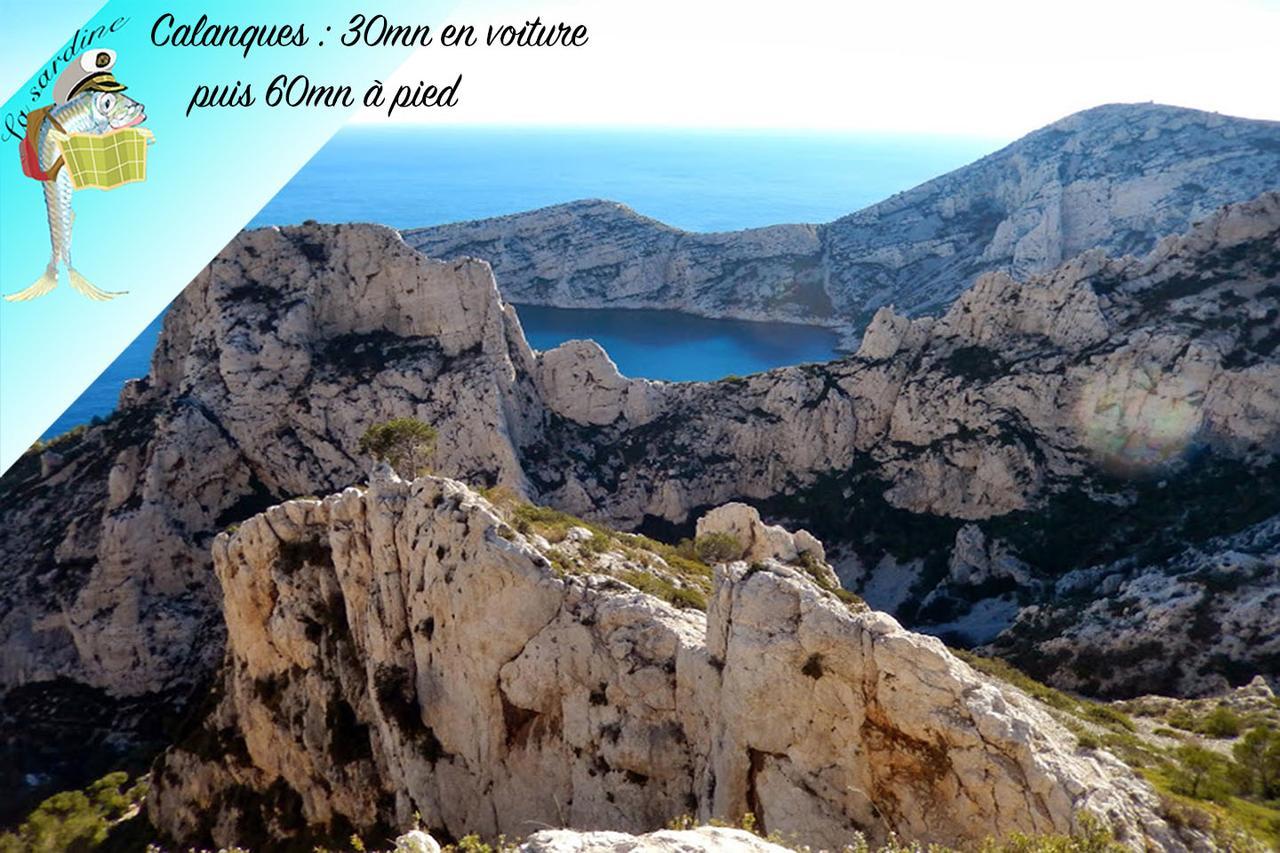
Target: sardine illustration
(89,103)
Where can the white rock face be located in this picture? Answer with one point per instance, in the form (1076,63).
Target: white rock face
(416,841)
(402,650)
(581,383)
(974,561)
(703,839)
(1064,311)
(1116,178)
(243,405)
(890,332)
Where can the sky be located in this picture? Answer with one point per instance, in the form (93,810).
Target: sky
(32,30)
(984,67)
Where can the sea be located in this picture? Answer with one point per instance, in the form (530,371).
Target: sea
(411,176)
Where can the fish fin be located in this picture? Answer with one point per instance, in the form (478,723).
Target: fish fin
(82,284)
(43,285)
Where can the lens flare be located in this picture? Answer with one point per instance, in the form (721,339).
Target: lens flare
(1142,417)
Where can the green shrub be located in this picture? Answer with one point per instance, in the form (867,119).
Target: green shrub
(1009,674)
(1221,722)
(1199,773)
(406,444)
(1107,716)
(1257,758)
(1092,837)
(1088,741)
(680,557)
(598,543)
(668,591)
(76,821)
(713,548)
(474,844)
(688,587)
(552,524)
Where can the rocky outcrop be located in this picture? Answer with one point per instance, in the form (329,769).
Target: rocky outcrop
(1131,627)
(293,341)
(1116,177)
(271,365)
(401,651)
(760,541)
(356,327)
(1255,701)
(704,839)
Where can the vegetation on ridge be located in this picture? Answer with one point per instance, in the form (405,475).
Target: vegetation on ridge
(677,574)
(97,818)
(406,444)
(1233,794)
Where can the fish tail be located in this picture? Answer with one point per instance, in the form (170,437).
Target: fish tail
(82,284)
(43,285)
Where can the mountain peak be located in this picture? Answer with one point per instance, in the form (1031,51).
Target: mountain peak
(1146,112)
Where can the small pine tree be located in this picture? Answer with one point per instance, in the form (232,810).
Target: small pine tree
(713,548)
(1195,773)
(1222,723)
(406,444)
(1257,757)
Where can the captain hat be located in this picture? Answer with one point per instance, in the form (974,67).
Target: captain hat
(90,72)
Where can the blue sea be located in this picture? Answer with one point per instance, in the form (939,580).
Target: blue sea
(699,181)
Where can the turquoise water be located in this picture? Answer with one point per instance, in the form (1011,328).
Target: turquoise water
(704,181)
(675,346)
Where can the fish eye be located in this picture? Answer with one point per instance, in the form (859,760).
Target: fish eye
(106,102)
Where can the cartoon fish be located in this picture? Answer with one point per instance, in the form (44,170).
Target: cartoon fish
(87,100)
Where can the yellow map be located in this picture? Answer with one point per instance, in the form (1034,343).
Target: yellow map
(105,160)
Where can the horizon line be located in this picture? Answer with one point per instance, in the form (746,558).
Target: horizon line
(763,130)
(364,118)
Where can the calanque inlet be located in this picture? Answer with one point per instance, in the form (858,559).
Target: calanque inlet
(1006,573)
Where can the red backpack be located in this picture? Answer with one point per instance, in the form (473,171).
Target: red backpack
(27,148)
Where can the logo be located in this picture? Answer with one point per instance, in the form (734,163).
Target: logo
(88,138)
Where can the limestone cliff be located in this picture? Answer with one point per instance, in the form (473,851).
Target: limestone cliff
(1031,430)
(1116,177)
(402,650)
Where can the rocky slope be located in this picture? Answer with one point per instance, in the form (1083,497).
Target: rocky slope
(1207,617)
(1112,407)
(402,651)
(1117,177)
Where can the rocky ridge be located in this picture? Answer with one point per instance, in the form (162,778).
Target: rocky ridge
(367,681)
(1023,413)
(1116,177)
